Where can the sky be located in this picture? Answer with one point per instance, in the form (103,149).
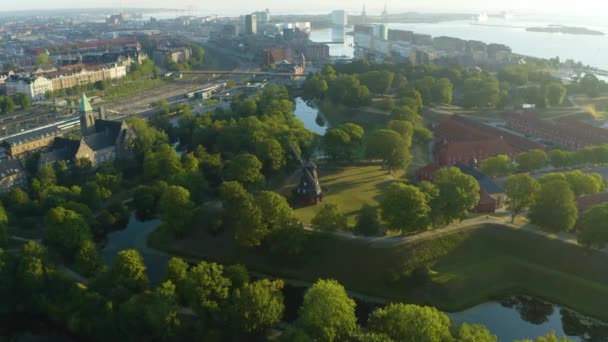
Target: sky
(230,7)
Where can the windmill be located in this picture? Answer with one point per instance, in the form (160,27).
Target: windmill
(309,190)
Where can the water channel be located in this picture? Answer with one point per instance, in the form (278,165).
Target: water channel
(513,318)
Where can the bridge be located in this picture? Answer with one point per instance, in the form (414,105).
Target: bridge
(237,72)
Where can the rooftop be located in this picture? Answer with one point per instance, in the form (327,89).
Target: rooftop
(85,105)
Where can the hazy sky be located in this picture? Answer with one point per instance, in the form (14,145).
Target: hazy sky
(580,7)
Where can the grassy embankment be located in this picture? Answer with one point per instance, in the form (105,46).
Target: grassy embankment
(351,187)
(469,267)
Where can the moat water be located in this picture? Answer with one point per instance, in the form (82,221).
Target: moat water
(512,318)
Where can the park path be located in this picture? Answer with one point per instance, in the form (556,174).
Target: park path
(466,225)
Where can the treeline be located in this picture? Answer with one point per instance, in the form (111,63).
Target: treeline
(205,301)
(8,104)
(355,83)
(535,160)
(550,202)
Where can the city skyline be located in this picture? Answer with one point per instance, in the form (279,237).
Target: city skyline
(584,7)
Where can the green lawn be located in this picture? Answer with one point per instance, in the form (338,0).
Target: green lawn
(469,267)
(351,187)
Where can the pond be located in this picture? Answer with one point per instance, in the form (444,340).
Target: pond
(312,118)
(513,318)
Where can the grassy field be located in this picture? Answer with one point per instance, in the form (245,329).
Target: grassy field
(351,187)
(597,107)
(468,267)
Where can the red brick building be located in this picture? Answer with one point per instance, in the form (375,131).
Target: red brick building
(567,133)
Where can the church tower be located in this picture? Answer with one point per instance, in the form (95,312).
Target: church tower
(87,116)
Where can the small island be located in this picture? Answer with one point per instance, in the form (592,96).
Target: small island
(565,30)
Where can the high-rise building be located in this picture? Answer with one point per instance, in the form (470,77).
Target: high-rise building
(339,18)
(251,24)
(263,17)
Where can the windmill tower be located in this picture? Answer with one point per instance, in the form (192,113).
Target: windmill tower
(308,190)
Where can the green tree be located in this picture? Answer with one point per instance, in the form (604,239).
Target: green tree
(276,212)
(47,177)
(391,148)
(245,168)
(551,337)
(475,333)
(521,191)
(405,113)
(207,289)
(593,231)
(590,85)
(43,59)
(481,92)
(176,209)
(555,93)
(271,154)
(315,87)
(531,160)
(327,313)
(378,82)
(554,206)
(129,271)
(66,230)
(162,164)
(404,208)
(559,158)
(238,275)
(368,221)
(402,322)
(258,306)
(329,218)
(497,166)
(514,74)
(88,259)
(458,193)
(287,242)
(348,90)
(404,128)
(585,183)
(336,143)
(243,214)
(442,91)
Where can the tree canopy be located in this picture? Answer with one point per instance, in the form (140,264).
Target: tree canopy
(327,313)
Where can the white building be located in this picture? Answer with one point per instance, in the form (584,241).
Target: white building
(339,18)
(34,88)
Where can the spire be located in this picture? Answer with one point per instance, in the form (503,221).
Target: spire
(364,15)
(85,105)
(385,13)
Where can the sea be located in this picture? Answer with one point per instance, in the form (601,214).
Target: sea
(590,50)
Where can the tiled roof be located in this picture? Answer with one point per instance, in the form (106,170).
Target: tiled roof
(32,136)
(474,149)
(9,167)
(485,183)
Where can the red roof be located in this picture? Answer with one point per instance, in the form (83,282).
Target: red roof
(451,152)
